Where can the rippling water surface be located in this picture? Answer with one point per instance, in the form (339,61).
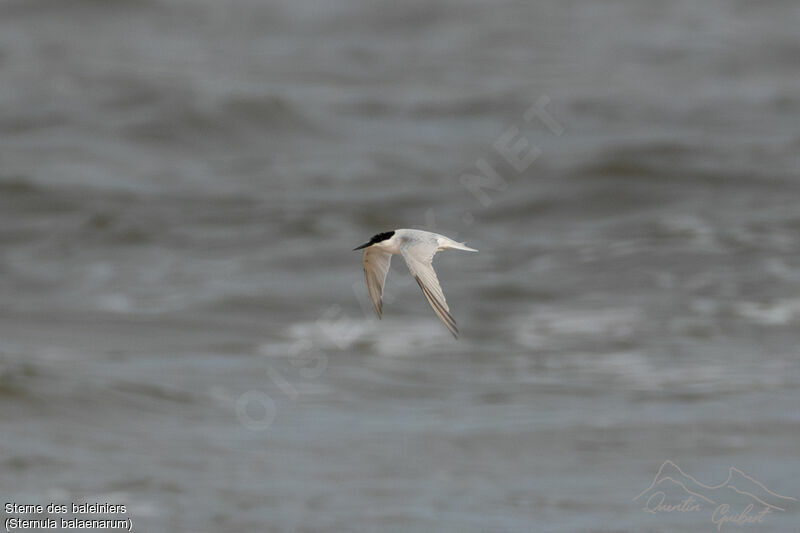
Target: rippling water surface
(184,329)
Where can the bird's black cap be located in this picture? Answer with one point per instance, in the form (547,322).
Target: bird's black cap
(377,238)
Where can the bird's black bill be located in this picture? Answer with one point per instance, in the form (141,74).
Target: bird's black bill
(362,246)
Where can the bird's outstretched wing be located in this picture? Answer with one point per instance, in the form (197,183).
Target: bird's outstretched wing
(418,256)
(376,266)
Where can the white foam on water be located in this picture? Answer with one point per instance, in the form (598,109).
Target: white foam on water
(332,330)
(546,326)
(640,371)
(690,226)
(774,313)
(414,338)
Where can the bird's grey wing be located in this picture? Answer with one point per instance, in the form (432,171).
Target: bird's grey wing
(419,256)
(376,267)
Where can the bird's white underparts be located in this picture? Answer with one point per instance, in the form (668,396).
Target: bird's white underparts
(417,248)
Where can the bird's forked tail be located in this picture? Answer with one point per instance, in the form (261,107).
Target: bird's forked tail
(453,245)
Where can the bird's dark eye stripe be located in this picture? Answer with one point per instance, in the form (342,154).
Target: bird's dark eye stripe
(381,237)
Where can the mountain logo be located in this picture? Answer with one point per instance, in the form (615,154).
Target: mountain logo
(740,499)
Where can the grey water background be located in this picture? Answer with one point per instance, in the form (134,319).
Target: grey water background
(183,325)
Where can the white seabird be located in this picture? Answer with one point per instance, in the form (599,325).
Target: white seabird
(418,248)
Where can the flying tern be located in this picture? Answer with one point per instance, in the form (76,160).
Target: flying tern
(418,248)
